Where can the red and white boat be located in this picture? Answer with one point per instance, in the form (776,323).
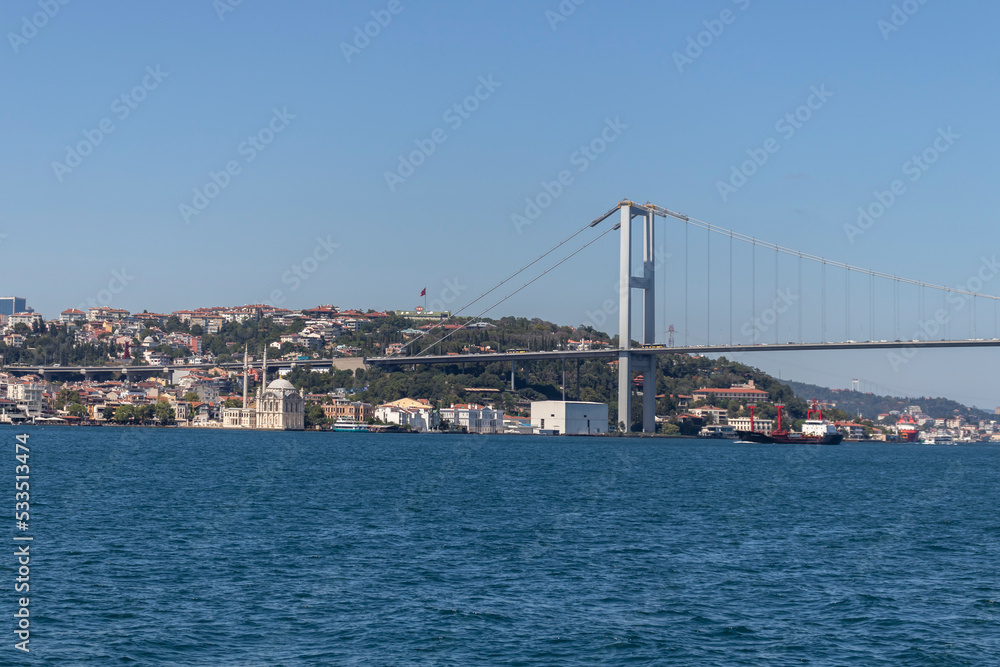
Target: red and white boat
(906,427)
(815,431)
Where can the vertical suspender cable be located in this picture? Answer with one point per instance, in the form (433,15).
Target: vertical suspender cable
(847,286)
(753,287)
(730,288)
(686,273)
(801,299)
(708,287)
(777,312)
(823,300)
(871,305)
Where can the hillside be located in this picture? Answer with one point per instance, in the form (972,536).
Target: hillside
(871,405)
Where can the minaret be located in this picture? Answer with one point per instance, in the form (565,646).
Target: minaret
(246,373)
(263,375)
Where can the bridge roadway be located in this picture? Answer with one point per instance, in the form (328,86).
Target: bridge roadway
(343,363)
(387,362)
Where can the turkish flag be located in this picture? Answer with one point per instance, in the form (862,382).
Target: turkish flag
(423,292)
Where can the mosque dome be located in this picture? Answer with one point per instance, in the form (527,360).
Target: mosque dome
(281,383)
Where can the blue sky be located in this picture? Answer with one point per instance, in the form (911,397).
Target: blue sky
(306,214)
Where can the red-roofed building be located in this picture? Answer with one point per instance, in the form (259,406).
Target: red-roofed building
(746,394)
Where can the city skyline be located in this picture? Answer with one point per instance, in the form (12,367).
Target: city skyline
(240,165)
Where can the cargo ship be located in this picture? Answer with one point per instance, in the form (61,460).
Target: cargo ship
(815,431)
(906,427)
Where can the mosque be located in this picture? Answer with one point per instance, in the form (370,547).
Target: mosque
(278,406)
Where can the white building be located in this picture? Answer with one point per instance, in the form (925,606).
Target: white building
(474,418)
(419,415)
(569,417)
(759,425)
(28,397)
(278,407)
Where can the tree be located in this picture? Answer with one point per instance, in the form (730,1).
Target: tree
(77,410)
(164,413)
(108,413)
(124,413)
(315,415)
(65,397)
(191,397)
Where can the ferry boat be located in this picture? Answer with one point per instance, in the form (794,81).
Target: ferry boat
(348,425)
(815,431)
(906,427)
(718,431)
(939,437)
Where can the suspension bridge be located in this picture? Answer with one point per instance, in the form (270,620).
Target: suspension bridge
(820,304)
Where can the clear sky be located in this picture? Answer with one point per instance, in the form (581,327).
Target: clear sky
(165,155)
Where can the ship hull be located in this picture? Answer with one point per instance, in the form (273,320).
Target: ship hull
(787,438)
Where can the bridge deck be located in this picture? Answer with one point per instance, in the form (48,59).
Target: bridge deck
(693,349)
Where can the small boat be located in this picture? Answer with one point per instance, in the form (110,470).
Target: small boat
(347,425)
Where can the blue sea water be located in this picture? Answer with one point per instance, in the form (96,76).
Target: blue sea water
(194,547)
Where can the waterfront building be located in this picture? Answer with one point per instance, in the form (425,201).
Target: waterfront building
(474,418)
(28,396)
(278,406)
(343,409)
(418,414)
(759,425)
(569,417)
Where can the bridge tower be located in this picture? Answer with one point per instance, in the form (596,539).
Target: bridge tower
(629,359)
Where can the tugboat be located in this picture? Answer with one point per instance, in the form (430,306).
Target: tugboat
(907,429)
(815,431)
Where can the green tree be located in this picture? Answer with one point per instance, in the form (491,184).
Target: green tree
(191,397)
(315,415)
(66,396)
(77,410)
(164,413)
(124,413)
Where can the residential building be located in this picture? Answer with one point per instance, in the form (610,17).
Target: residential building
(72,315)
(418,414)
(343,409)
(759,425)
(474,418)
(28,319)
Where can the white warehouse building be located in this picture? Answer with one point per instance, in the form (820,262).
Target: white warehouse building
(569,417)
